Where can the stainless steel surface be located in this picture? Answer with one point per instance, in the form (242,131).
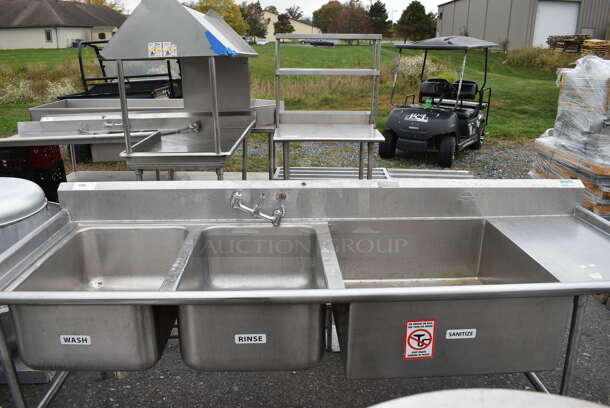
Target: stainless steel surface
(330,36)
(214,99)
(312,131)
(485,398)
(378,173)
(328,71)
(56,384)
(98,259)
(124,108)
(246,258)
(193,34)
(256,212)
(571,358)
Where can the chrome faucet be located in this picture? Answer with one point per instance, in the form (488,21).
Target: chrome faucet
(275,219)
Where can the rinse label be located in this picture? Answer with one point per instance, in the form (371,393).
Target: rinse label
(457,334)
(250,338)
(419,339)
(74,340)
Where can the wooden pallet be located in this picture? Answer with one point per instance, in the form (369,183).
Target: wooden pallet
(570,159)
(600,48)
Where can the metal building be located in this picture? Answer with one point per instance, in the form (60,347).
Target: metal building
(518,23)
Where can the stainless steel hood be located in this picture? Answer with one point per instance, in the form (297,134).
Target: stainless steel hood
(167,29)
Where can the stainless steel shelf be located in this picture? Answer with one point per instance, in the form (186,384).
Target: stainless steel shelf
(338,36)
(328,71)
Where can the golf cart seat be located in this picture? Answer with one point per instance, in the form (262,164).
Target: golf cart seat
(436,88)
(469,89)
(466,113)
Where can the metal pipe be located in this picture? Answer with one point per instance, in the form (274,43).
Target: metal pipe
(370,159)
(73,158)
(286,146)
(423,66)
(536,382)
(220,173)
(361,162)
(124,109)
(486,62)
(388,294)
(56,384)
(139,174)
(157,174)
(271,155)
(171,174)
(578,313)
(278,93)
(459,90)
(10,373)
(214,97)
(244,161)
(375,91)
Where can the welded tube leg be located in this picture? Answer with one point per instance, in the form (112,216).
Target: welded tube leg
(536,382)
(10,373)
(569,367)
(370,160)
(220,173)
(361,162)
(139,174)
(271,156)
(171,174)
(56,384)
(286,146)
(157,174)
(73,158)
(244,162)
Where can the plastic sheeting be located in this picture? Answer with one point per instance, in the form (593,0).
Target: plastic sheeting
(578,146)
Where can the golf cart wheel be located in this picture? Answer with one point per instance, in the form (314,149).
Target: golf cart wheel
(446,151)
(387,149)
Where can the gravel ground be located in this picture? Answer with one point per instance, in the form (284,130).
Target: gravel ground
(172,384)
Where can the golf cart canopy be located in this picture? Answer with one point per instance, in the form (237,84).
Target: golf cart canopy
(448,43)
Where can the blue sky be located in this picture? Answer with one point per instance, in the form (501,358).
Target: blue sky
(394,7)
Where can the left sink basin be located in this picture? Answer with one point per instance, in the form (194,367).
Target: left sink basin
(99,337)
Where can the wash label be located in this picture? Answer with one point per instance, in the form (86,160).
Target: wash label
(74,340)
(419,339)
(457,334)
(250,338)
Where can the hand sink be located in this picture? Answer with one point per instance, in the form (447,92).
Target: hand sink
(99,337)
(256,336)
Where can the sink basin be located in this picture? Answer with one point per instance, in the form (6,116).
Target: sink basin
(463,337)
(99,337)
(256,336)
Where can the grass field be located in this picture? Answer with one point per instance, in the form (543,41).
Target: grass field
(524,103)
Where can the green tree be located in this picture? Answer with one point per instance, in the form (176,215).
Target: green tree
(283,24)
(351,19)
(108,3)
(227,9)
(378,18)
(294,12)
(254,17)
(323,16)
(272,9)
(415,24)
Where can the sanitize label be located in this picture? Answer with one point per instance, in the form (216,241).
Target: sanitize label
(74,340)
(250,338)
(456,334)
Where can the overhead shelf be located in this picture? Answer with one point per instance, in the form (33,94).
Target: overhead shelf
(328,71)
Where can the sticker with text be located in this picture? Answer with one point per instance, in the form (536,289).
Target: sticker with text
(419,339)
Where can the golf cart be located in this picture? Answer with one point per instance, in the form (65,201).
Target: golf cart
(448,116)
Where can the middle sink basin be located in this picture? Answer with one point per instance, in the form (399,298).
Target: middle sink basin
(255,336)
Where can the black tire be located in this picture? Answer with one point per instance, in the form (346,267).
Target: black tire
(446,151)
(387,149)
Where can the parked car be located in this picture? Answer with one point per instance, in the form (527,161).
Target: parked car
(321,43)
(262,42)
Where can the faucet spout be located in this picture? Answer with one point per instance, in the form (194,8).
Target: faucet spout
(236,202)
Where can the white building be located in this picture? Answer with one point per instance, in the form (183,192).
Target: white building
(299,28)
(54,23)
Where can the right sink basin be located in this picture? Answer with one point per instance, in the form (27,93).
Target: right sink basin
(256,336)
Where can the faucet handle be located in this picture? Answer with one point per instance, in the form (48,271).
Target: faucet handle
(235,199)
(259,202)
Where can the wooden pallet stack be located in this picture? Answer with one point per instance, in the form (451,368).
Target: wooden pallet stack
(601,48)
(568,43)
(578,147)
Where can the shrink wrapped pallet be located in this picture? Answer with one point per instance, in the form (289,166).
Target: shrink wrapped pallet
(578,146)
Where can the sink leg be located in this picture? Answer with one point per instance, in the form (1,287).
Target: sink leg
(580,303)
(286,158)
(158,174)
(220,173)
(10,373)
(536,382)
(171,174)
(370,160)
(139,174)
(361,162)
(271,155)
(244,163)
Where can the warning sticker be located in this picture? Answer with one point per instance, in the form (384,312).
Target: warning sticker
(160,49)
(419,339)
